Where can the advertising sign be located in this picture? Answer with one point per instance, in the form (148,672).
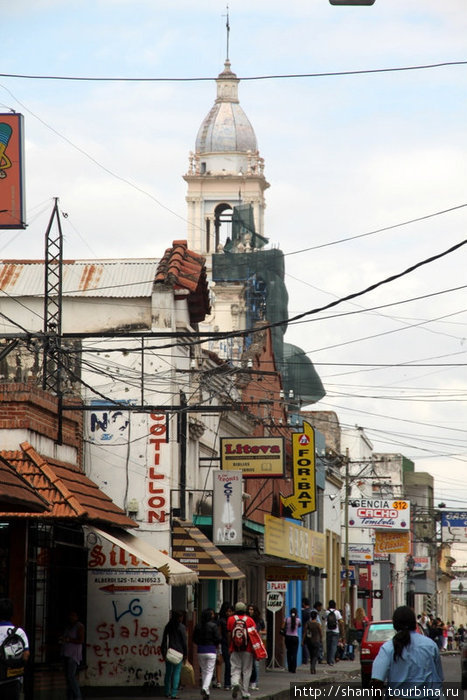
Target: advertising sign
(289,541)
(421,563)
(379,513)
(454,526)
(227,507)
(303,499)
(128,605)
(286,573)
(274,601)
(361,553)
(392,542)
(12,205)
(276,586)
(254,457)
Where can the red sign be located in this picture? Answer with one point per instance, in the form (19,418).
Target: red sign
(12,207)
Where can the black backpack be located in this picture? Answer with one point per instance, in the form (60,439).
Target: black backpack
(11,655)
(331,620)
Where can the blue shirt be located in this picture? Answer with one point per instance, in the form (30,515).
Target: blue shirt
(419,665)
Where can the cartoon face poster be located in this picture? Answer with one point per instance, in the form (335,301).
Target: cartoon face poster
(12,206)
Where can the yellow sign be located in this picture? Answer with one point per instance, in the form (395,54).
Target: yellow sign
(392,542)
(303,499)
(254,457)
(289,541)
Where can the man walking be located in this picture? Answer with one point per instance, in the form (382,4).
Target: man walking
(241,650)
(334,630)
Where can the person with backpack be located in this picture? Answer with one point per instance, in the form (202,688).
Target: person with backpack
(14,652)
(291,627)
(241,650)
(334,631)
(207,637)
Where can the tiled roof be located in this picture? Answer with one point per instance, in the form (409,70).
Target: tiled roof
(15,491)
(65,488)
(184,269)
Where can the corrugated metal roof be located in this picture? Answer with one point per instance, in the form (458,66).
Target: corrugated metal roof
(82,278)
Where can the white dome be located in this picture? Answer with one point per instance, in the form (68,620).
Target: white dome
(226,127)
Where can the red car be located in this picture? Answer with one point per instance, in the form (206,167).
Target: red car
(374,636)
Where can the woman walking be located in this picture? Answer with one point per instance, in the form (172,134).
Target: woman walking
(409,660)
(174,637)
(312,639)
(207,637)
(291,625)
(359,623)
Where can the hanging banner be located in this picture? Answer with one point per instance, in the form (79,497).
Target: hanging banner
(379,513)
(227,507)
(303,499)
(12,205)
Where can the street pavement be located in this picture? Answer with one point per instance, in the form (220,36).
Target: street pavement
(274,683)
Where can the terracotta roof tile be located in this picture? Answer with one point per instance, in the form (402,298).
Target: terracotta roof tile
(16,492)
(185,269)
(68,492)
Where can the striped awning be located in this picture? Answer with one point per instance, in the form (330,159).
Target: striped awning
(193,549)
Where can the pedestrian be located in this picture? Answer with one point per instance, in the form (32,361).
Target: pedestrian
(460,636)
(408,660)
(451,635)
(305,616)
(312,638)
(72,641)
(206,636)
(241,650)
(173,637)
(291,626)
(11,689)
(254,612)
(359,623)
(224,613)
(318,607)
(334,631)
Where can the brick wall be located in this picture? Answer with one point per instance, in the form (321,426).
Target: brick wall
(27,407)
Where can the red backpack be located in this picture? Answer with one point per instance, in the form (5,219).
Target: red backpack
(239,634)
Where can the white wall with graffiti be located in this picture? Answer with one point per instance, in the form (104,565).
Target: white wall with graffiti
(128,608)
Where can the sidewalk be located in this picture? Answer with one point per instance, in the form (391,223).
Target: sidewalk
(272,684)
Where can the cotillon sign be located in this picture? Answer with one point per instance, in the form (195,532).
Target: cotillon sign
(303,499)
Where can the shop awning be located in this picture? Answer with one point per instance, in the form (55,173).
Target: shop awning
(193,549)
(176,574)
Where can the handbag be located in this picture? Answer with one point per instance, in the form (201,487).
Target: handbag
(259,650)
(187,675)
(173,656)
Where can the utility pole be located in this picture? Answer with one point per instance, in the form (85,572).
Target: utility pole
(346,526)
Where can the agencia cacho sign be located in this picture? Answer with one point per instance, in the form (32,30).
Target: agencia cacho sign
(383,514)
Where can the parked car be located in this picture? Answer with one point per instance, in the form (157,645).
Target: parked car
(464,666)
(374,636)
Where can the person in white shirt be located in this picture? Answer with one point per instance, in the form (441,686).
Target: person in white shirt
(334,631)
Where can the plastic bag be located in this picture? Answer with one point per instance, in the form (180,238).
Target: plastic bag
(187,676)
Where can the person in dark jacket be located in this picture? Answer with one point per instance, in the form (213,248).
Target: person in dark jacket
(174,637)
(224,613)
(207,637)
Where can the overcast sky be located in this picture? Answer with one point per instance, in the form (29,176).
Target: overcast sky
(345,155)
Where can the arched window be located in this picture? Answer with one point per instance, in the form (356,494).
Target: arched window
(222,217)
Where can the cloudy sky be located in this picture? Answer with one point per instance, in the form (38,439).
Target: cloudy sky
(351,160)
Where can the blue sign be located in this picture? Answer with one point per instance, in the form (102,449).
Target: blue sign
(454,519)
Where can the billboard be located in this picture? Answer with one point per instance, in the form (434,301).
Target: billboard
(303,499)
(289,541)
(12,205)
(254,457)
(454,526)
(392,543)
(379,513)
(227,507)
(361,553)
